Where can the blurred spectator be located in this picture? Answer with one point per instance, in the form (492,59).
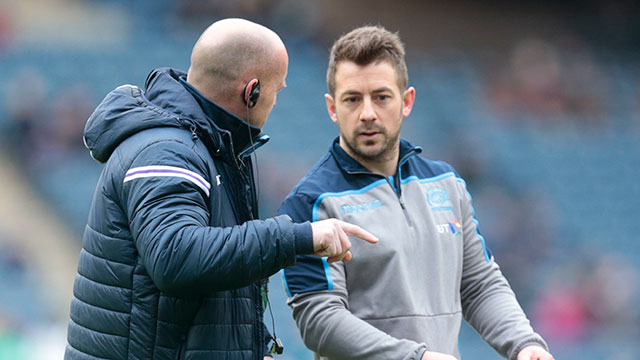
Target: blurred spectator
(560,312)
(199,13)
(532,80)
(548,84)
(294,19)
(609,290)
(68,114)
(25,101)
(585,84)
(587,301)
(41,129)
(20,303)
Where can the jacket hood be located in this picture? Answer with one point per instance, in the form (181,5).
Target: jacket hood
(165,102)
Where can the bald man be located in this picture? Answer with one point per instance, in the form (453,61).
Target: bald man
(173,255)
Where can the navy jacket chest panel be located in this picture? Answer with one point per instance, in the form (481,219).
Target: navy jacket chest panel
(228,189)
(190,318)
(227,207)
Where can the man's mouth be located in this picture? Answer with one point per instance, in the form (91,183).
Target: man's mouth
(369,134)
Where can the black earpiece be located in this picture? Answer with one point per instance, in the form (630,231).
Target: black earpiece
(251,93)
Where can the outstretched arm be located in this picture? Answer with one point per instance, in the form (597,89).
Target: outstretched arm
(165,196)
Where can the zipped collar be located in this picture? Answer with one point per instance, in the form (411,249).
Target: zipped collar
(351,165)
(239,131)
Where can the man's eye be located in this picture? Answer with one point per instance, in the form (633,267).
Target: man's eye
(351,99)
(383,97)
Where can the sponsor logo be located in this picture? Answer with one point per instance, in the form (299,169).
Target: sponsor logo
(438,199)
(360,208)
(454,227)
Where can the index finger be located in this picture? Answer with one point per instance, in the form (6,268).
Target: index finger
(355,230)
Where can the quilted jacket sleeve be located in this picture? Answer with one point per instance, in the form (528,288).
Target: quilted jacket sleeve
(165,196)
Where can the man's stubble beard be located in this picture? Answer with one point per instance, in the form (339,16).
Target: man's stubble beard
(386,149)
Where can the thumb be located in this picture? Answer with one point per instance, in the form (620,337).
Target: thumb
(355,230)
(346,257)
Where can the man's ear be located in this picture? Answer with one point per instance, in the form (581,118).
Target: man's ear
(331,107)
(407,101)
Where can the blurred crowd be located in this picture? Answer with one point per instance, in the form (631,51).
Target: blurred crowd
(44,126)
(544,130)
(550,82)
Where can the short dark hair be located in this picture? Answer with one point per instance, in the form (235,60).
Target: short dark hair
(366,45)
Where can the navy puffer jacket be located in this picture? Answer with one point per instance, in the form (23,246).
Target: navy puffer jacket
(171,261)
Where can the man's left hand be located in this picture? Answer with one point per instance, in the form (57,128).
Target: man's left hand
(534,352)
(268,357)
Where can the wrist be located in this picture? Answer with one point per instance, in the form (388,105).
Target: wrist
(534,341)
(303,238)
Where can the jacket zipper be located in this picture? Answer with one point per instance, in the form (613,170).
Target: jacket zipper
(396,185)
(396,190)
(258,323)
(398,182)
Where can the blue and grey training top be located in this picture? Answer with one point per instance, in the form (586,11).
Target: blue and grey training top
(408,293)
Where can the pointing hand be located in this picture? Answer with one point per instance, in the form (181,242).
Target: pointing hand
(331,238)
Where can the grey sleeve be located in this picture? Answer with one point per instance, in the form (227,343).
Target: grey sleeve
(488,303)
(332,331)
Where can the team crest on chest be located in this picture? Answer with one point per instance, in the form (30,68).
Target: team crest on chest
(438,199)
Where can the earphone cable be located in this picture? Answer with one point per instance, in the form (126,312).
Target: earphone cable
(255,160)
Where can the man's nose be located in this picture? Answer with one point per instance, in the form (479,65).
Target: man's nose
(368,112)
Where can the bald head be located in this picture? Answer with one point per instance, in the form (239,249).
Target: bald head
(229,53)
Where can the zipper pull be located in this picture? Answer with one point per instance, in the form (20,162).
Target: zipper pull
(194,134)
(402,203)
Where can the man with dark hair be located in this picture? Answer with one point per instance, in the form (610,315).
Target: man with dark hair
(405,297)
(173,257)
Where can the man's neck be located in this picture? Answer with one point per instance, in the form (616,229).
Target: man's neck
(387,168)
(386,165)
